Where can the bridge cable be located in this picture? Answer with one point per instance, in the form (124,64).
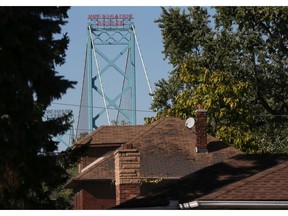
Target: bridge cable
(100,80)
(144,68)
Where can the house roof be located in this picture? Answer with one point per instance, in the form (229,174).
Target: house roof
(243,177)
(270,184)
(167,150)
(113,134)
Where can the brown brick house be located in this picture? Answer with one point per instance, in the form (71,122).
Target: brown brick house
(123,162)
(241,182)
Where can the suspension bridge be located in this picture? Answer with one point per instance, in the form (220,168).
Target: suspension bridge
(109,75)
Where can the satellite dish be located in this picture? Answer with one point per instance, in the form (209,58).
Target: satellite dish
(190,122)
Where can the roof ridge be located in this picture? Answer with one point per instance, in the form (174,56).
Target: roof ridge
(247,180)
(110,154)
(105,158)
(89,135)
(101,128)
(153,125)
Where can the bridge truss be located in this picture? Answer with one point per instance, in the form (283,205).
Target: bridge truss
(109,80)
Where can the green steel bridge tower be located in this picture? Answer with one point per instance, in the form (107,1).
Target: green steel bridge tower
(109,81)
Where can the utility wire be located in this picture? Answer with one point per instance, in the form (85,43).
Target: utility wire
(99,107)
(149,111)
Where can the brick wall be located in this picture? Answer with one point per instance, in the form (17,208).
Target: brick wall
(201,131)
(92,154)
(127,174)
(95,195)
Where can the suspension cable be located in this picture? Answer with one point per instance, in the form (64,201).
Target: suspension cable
(100,80)
(123,83)
(83,82)
(144,68)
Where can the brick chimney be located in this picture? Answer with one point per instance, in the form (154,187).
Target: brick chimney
(201,130)
(127,173)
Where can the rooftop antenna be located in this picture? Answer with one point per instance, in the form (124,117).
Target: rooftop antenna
(190,122)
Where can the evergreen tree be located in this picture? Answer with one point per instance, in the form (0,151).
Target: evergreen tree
(234,62)
(30,48)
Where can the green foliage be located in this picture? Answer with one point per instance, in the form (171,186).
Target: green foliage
(151,181)
(123,122)
(29,51)
(81,135)
(237,68)
(63,197)
(219,93)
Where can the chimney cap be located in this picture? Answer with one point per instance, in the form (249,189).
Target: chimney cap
(200,107)
(201,110)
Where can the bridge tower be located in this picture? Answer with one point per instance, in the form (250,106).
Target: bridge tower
(109,81)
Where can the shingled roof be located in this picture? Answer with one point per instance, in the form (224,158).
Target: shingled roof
(243,177)
(167,150)
(113,135)
(270,184)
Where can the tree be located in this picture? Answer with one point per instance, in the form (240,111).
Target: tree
(30,48)
(236,67)
(115,122)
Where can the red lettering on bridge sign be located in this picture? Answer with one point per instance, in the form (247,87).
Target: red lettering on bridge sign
(110,19)
(110,16)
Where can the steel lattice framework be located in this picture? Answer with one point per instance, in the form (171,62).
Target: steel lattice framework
(110,54)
